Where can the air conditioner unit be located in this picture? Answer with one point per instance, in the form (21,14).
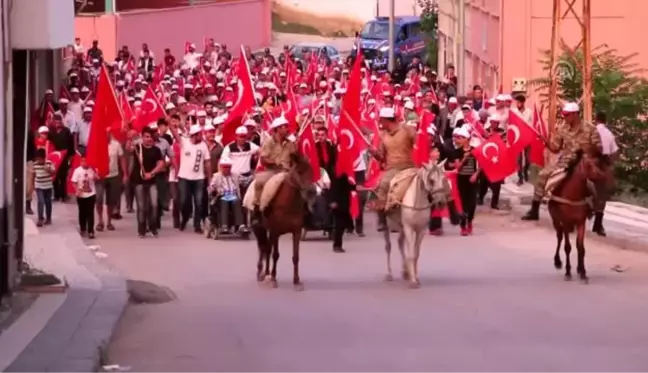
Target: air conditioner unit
(519,85)
(41,24)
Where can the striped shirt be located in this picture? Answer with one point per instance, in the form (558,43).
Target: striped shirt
(469,166)
(42,175)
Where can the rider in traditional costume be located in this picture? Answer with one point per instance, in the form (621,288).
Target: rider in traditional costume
(397,143)
(571,136)
(274,157)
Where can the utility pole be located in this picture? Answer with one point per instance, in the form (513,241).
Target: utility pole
(392,37)
(461,58)
(583,19)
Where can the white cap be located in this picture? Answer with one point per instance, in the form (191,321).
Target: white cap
(43,129)
(137,103)
(387,113)
(49,92)
(291,137)
(423,79)
(85,89)
(188,86)
(209,127)
(322,84)
(475,142)
(419,94)
(431,129)
(182,100)
(153,125)
(64,101)
(372,116)
(500,97)
(452,100)
(229,104)
(278,122)
(371,101)
(218,120)
(494,118)
(282,74)
(508,97)
(303,85)
(74,90)
(225,161)
(169,106)
(465,107)
(201,113)
(461,132)
(241,131)
(250,123)
(87,109)
(194,129)
(409,105)
(89,103)
(374,78)
(491,101)
(570,107)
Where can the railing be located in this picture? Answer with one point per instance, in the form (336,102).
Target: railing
(99,6)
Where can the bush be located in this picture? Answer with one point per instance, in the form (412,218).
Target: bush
(430,28)
(619,91)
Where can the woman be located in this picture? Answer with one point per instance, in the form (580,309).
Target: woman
(467,173)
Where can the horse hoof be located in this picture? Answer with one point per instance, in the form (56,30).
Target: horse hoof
(299,286)
(260,277)
(389,277)
(414,285)
(274,284)
(558,265)
(405,275)
(584,280)
(568,277)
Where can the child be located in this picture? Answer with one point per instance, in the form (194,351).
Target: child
(84,179)
(43,183)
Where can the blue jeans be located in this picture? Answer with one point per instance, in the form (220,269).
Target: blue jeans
(191,200)
(44,197)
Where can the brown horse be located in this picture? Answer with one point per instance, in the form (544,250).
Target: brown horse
(284,214)
(569,208)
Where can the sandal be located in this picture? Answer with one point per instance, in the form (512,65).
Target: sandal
(99,227)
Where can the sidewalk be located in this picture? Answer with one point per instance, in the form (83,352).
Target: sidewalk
(64,332)
(626,225)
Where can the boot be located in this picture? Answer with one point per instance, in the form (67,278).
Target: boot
(28,209)
(534,212)
(598,225)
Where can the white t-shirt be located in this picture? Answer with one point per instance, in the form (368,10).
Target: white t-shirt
(607,139)
(192,59)
(192,159)
(241,160)
(115,151)
(84,181)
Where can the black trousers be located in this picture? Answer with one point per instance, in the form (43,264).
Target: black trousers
(175,203)
(60,180)
(342,220)
(86,210)
(360,177)
(468,194)
(437,222)
(523,164)
(485,185)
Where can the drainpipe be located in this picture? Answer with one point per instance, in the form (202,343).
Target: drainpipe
(110,6)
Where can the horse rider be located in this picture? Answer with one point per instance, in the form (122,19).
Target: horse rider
(570,137)
(397,143)
(274,156)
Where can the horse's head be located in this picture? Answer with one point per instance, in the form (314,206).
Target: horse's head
(301,172)
(435,183)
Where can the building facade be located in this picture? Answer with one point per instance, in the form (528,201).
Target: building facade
(30,64)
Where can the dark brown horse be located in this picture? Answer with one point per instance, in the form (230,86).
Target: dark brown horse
(569,208)
(284,214)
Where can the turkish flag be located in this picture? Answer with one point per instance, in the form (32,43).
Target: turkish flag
(56,157)
(126,108)
(454,193)
(519,133)
(150,111)
(289,109)
(75,162)
(244,101)
(306,143)
(350,139)
(536,153)
(421,151)
(106,117)
(495,159)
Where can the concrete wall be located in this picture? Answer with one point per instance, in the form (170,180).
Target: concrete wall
(245,22)
(358,10)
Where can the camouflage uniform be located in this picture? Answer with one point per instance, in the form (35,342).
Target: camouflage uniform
(396,153)
(278,154)
(569,142)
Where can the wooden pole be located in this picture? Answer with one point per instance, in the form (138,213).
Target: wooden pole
(556,18)
(587,64)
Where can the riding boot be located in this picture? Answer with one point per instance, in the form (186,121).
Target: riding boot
(598,225)
(534,212)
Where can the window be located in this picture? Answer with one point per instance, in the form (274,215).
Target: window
(331,51)
(414,29)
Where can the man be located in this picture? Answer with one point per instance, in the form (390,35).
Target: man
(67,116)
(478,98)
(274,156)
(379,63)
(148,163)
(76,103)
(523,158)
(95,53)
(360,168)
(109,188)
(195,168)
(493,129)
(571,136)
(62,139)
(243,154)
(603,189)
(410,115)
(225,185)
(397,143)
(83,130)
(146,64)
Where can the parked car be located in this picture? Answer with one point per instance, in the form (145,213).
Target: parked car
(331,53)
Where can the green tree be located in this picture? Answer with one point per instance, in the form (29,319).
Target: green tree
(619,90)
(430,28)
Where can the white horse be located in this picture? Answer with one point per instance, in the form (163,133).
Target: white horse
(428,188)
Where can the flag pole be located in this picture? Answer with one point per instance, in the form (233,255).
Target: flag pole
(348,117)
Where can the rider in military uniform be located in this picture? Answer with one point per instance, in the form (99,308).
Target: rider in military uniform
(274,156)
(397,143)
(570,137)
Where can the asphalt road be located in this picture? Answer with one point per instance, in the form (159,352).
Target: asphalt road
(488,302)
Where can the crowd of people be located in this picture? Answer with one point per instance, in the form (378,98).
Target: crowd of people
(172,155)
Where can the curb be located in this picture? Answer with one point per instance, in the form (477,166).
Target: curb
(520,205)
(76,336)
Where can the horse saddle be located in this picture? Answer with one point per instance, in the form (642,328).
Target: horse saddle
(553,180)
(267,193)
(398,186)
